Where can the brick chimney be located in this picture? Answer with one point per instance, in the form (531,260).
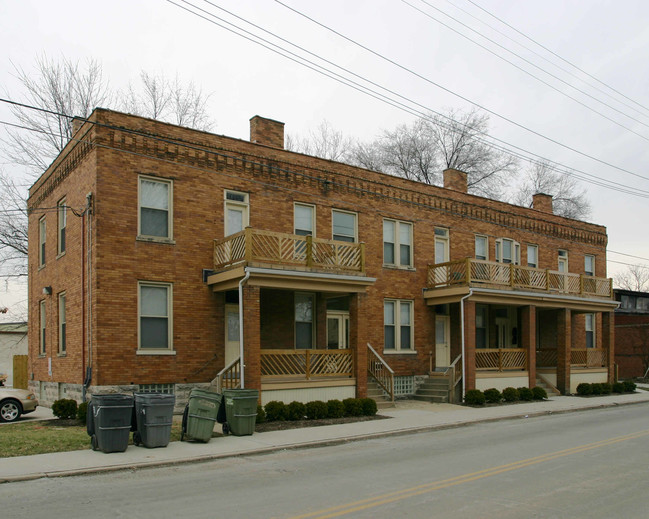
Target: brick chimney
(456,180)
(266,131)
(542,202)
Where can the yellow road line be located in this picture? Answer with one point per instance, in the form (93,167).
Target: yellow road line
(390,497)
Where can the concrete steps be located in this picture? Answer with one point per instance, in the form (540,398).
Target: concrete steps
(549,390)
(435,389)
(377,394)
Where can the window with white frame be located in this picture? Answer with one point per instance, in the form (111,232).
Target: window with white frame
(343,226)
(304,329)
(155,199)
(62,224)
(442,245)
(397,243)
(590,330)
(62,325)
(508,251)
(304,220)
(562,262)
(43,327)
(533,256)
(41,241)
(481,247)
(397,323)
(589,265)
(155,304)
(236,211)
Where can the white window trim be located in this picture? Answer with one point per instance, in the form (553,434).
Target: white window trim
(313,218)
(153,351)
(594,327)
(586,256)
(516,251)
(170,219)
(536,248)
(311,295)
(62,296)
(235,204)
(42,328)
(397,327)
(62,218)
(397,244)
(486,248)
(563,257)
(355,223)
(42,240)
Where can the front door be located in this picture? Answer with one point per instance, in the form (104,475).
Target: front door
(337,330)
(502,332)
(442,343)
(231,333)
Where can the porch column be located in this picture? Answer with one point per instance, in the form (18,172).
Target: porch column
(358,339)
(528,340)
(564,339)
(252,337)
(469,343)
(608,343)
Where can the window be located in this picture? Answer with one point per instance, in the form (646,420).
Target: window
(155,208)
(166,389)
(304,220)
(563,261)
(441,245)
(62,225)
(62,325)
(397,243)
(508,251)
(344,226)
(589,265)
(397,322)
(533,256)
(304,329)
(590,330)
(481,321)
(41,242)
(481,247)
(236,212)
(155,316)
(43,328)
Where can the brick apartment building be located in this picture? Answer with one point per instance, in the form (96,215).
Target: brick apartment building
(150,243)
(632,333)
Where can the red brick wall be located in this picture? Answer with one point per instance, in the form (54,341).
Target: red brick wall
(631,344)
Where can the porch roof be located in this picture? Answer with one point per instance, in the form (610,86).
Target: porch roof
(454,294)
(289,279)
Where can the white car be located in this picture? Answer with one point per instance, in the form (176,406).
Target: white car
(15,402)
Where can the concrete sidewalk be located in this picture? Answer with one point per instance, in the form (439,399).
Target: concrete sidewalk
(408,416)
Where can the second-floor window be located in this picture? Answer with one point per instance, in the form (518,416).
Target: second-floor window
(304,220)
(41,242)
(481,247)
(533,256)
(344,226)
(508,251)
(62,221)
(562,265)
(589,265)
(155,208)
(236,211)
(441,245)
(397,243)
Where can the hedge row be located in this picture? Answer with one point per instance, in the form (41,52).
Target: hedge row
(276,411)
(67,409)
(604,388)
(509,394)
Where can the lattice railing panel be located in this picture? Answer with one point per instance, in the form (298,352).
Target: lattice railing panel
(588,357)
(500,359)
(546,358)
(307,363)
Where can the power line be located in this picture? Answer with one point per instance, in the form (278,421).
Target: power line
(629,255)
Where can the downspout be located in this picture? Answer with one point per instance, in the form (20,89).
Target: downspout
(243,280)
(83,307)
(462,333)
(89,211)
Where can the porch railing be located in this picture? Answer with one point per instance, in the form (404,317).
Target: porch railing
(471,271)
(588,358)
(229,377)
(455,373)
(288,249)
(546,358)
(380,371)
(308,364)
(501,359)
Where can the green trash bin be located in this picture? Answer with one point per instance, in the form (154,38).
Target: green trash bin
(241,410)
(200,414)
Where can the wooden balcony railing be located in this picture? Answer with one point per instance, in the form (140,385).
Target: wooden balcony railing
(475,272)
(500,359)
(307,364)
(380,371)
(288,249)
(588,358)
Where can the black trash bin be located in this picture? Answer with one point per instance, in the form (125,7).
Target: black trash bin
(109,422)
(153,418)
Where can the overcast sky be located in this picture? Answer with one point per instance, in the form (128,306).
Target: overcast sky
(607,39)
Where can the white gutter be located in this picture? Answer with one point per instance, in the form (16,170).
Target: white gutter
(300,274)
(243,280)
(462,334)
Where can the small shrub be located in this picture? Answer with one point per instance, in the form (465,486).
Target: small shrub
(65,408)
(261,415)
(596,388)
(82,412)
(353,407)
(369,406)
(525,394)
(474,397)
(538,393)
(618,387)
(316,410)
(492,395)
(629,386)
(335,409)
(276,411)
(606,388)
(584,389)
(510,394)
(296,411)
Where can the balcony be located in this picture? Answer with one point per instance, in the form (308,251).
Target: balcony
(481,273)
(283,250)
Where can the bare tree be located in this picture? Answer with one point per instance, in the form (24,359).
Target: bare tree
(634,277)
(568,197)
(324,142)
(13,228)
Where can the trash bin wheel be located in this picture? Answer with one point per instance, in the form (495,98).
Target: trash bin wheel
(137,438)
(183,428)
(226,428)
(93,442)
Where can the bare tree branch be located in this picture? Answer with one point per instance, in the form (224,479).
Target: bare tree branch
(634,277)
